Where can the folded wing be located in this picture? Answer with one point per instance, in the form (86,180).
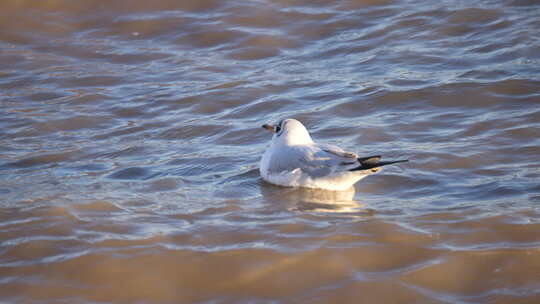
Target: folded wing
(322,160)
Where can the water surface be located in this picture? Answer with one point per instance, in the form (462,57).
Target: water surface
(130,139)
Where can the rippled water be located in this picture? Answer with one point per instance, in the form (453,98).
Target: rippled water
(130,139)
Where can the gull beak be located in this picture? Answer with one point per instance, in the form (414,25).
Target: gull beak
(269,128)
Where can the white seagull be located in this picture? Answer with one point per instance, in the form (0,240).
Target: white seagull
(294,160)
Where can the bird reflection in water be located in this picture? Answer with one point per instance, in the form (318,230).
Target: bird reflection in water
(316,200)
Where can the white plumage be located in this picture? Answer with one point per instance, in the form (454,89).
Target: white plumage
(294,160)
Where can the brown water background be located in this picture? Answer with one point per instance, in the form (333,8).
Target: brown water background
(130,139)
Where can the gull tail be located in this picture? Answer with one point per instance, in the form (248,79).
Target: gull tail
(371,162)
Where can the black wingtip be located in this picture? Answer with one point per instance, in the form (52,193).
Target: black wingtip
(371,162)
(384,163)
(369,159)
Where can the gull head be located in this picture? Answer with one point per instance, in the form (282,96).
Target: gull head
(290,132)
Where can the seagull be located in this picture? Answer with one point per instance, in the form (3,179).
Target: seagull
(295,160)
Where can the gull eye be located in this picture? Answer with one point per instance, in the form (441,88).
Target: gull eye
(278,128)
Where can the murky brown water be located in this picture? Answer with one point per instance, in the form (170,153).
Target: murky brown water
(130,139)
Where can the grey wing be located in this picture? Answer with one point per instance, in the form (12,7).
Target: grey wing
(326,159)
(288,159)
(338,151)
(314,160)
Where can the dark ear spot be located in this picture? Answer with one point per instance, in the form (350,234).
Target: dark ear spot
(279,128)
